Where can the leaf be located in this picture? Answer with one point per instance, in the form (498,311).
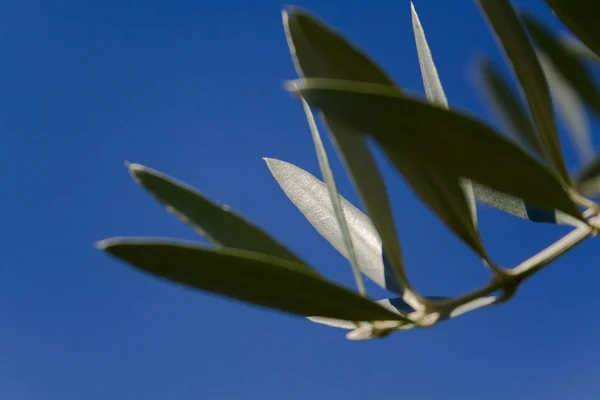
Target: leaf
(588,180)
(570,108)
(311,197)
(320,52)
(577,48)
(525,64)
(431,80)
(568,79)
(517,123)
(334,198)
(250,277)
(508,107)
(474,151)
(436,95)
(216,222)
(581,17)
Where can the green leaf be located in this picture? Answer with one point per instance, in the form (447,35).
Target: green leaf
(526,66)
(474,151)
(334,197)
(588,180)
(320,52)
(434,91)
(311,197)
(568,78)
(581,17)
(250,277)
(508,107)
(570,108)
(517,123)
(578,49)
(216,222)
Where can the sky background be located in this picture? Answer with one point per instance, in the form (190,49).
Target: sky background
(194,89)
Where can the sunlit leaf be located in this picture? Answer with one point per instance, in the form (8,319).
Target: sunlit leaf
(334,197)
(474,151)
(217,222)
(320,52)
(250,277)
(581,17)
(522,57)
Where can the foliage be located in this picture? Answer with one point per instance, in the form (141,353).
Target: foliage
(451,160)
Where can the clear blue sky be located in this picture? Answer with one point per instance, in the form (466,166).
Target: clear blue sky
(194,89)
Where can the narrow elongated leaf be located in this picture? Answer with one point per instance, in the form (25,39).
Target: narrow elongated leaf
(474,151)
(334,198)
(581,17)
(311,197)
(568,79)
(517,123)
(431,80)
(523,59)
(320,52)
(577,48)
(588,180)
(367,179)
(250,277)
(508,107)
(570,108)
(436,95)
(216,222)
(567,64)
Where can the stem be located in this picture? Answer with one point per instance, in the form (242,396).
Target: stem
(524,270)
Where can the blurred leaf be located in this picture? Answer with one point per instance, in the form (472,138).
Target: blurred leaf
(570,108)
(508,107)
(216,222)
(474,151)
(310,195)
(578,49)
(568,79)
(320,52)
(334,198)
(588,180)
(517,123)
(523,59)
(250,277)
(581,17)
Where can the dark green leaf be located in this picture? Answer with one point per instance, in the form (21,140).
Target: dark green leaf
(570,67)
(508,107)
(526,66)
(588,180)
(250,277)
(581,16)
(408,128)
(321,52)
(218,223)
(318,51)
(570,108)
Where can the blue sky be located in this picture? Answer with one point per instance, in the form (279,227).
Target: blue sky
(195,90)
